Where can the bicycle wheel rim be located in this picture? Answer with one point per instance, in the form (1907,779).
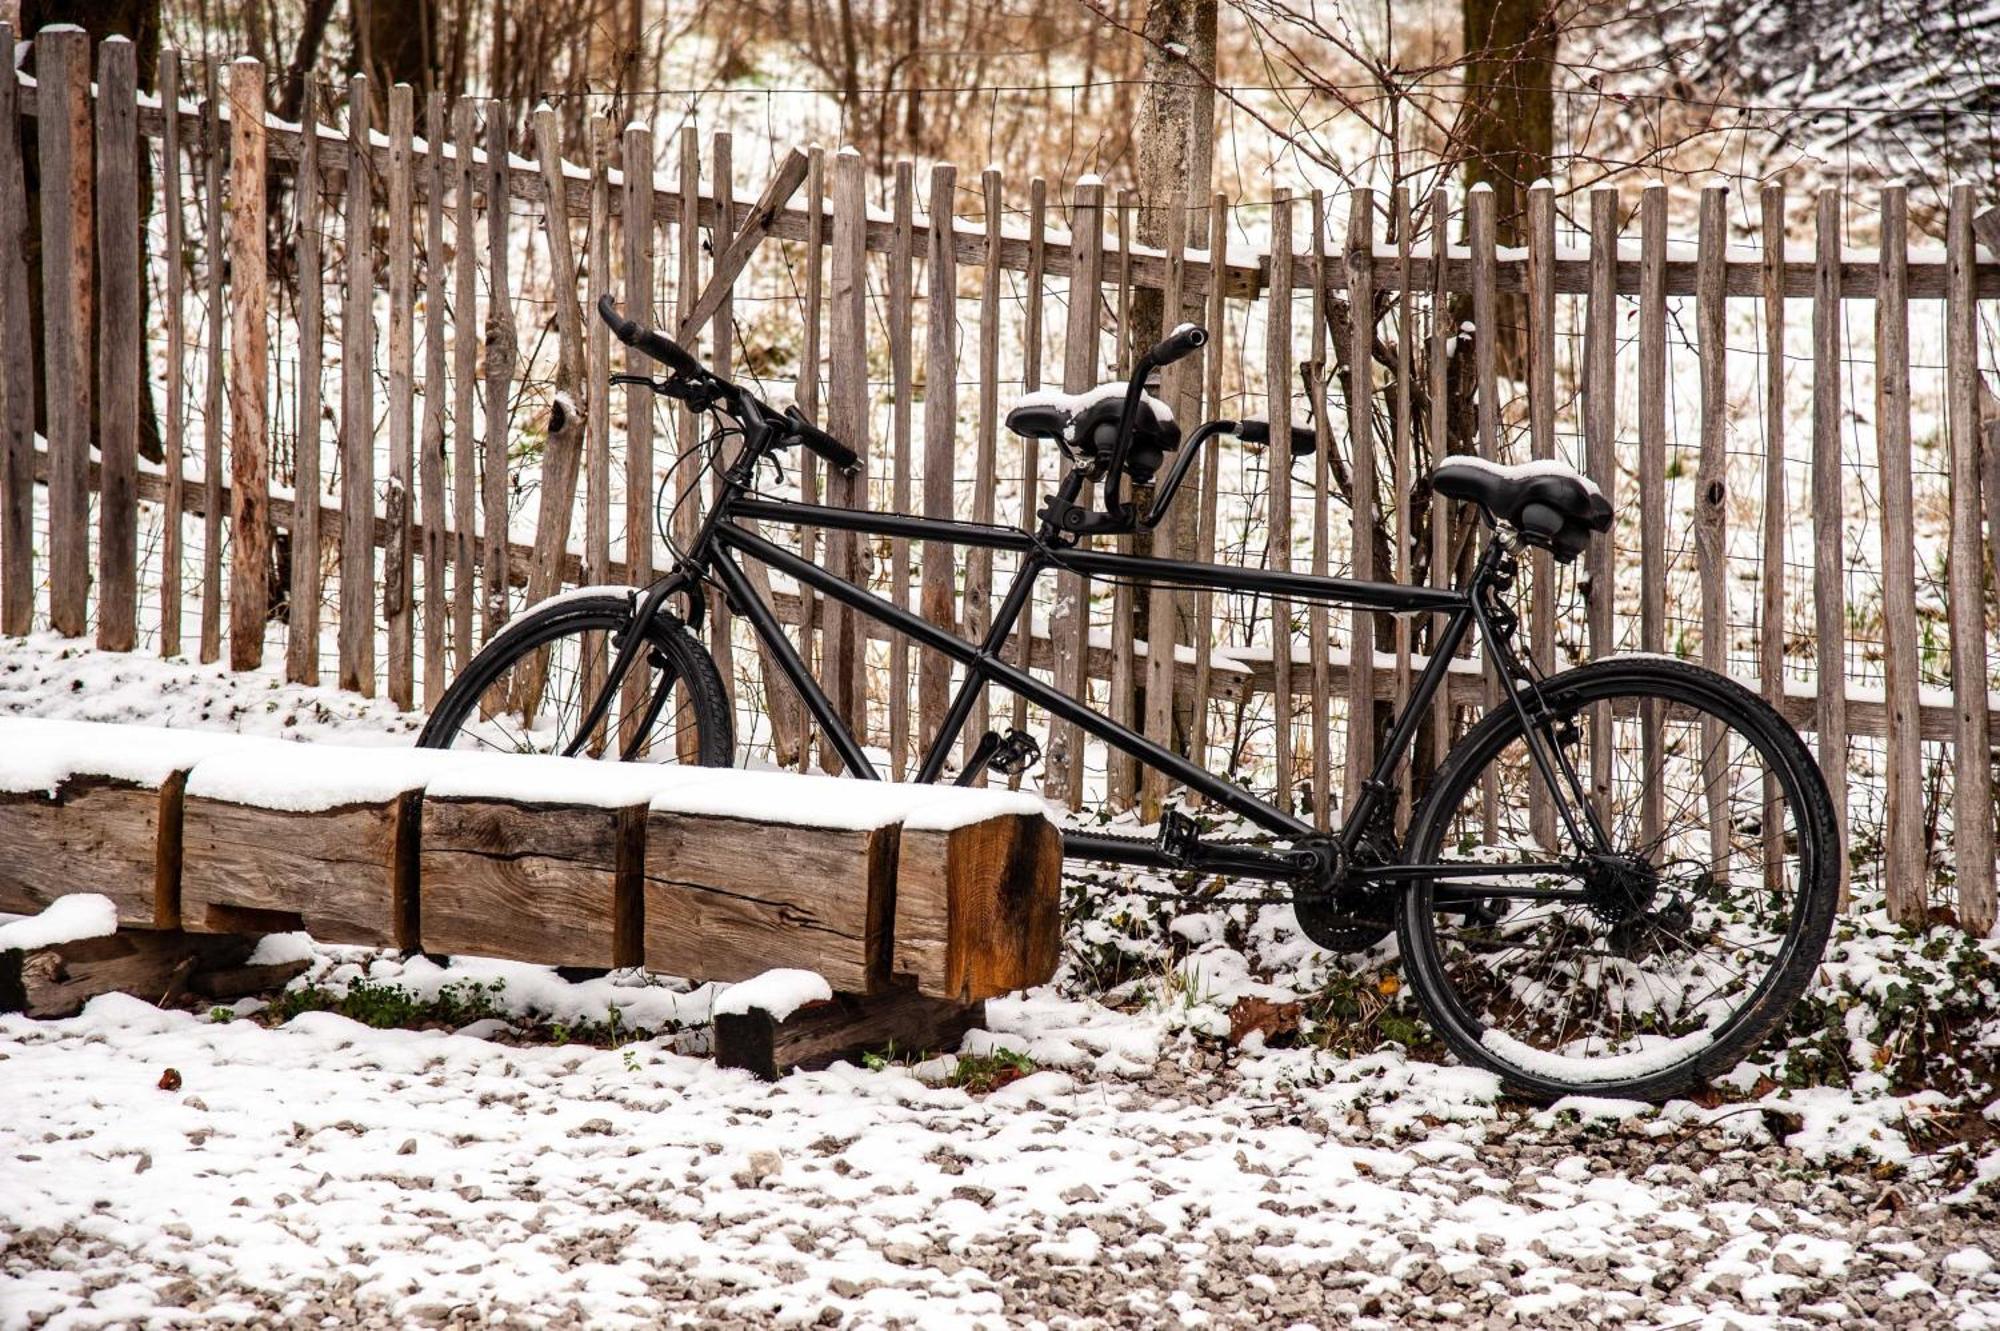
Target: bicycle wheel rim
(568,655)
(1638,991)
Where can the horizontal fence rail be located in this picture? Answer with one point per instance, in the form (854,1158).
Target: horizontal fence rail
(1796,434)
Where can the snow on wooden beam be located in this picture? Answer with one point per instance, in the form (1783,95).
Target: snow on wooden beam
(769,1042)
(697,872)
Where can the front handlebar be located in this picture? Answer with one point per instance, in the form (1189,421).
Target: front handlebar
(707,388)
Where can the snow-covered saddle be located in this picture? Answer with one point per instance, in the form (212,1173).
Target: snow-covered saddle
(1550,504)
(1086,426)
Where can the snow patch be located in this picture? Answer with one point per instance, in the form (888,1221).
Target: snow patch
(64,920)
(780,992)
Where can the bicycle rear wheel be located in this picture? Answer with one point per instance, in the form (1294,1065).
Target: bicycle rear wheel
(1642,971)
(530,690)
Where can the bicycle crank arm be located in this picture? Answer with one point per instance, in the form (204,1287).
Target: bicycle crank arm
(1278,866)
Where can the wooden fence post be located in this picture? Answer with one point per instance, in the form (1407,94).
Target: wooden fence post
(1443,337)
(1905,875)
(249,448)
(17,389)
(1541,311)
(1205,517)
(431,465)
(1402,479)
(847,404)
(1652,481)
(211,428)
(940,433)
(500,358)
(1162,624)
(1361,445)
(302,643)
(1600,424)
(1711,503)
(464,383)
(722,166)
(174,419)
(1829,520)
(121,269)
(637,214)
(397,575)
(62,127)
(357,425)
(1278,412)
(807,398)
(1972,794)
(1034,280)
(1480,224)
(597,435)
(902,295)
(986,478)
(1121,771)
(1070,628)
(1777,517)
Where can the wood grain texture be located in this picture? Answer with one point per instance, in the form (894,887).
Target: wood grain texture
(555,885)
(465,386)
(639,479)
(17,369)
(1653,557)
(398,574)
(120,334)
(308,574)
(1972,770)
(357,425)
(173,410)
(345,875)
(1541,310)
(502,353)
(157,966)
(1905,872)
(433,499)
(1777,517)
(1711,500)
(212,483)
(1031,380)
(902,358)
(62,127)
(727,898)
(847,419)
(116,838)
(249,354)
(1361,449)
(978,909)
(1278,411)
(1829,519)
(1070,622)
(937,590)
(845,1029)
(986,464)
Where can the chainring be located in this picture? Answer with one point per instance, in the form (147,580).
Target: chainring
(1330,920)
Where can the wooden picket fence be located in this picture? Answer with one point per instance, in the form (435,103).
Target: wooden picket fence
(1862,553)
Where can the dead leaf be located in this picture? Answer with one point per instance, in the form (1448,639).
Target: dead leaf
(170,1080)
(1262,1015)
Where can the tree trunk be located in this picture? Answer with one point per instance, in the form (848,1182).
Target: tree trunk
(1508,130)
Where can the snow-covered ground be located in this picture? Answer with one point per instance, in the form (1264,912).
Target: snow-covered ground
(1133,1167)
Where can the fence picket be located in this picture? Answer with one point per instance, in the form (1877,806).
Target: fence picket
(807,397)
(211,429)
(722,166)
(1777,518)
(1541,311)
(847,410)
(17,369)
(1711,504)
(1069,629)
(1121,774)
(1972,773)
(940,426)
(62,124)
(986,467)
(303,591)
(464,384)
(1318,616)
(1829,517)
(501,352)
(1278,411)
(431,467)
(902,295)
(1905,873)
(1402,482)
(1485,330)
(173,421)
(249,456)
(1361,446)
(637,214)
(1443,336)
(120,330)
(397,575)
(357,424)
(1205,517)
(1162,624)
(1033,281)
(1600,423)
(1652,482)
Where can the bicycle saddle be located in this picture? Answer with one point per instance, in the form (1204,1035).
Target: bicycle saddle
(1551,505)
(1086,426)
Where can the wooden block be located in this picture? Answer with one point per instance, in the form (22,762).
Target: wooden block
(851,1025)
(728,898)
(344,874)
(322,839)
(978,907)
(155,965)
(97,808)
(552,884)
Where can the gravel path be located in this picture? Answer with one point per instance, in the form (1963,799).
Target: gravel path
(330,1173)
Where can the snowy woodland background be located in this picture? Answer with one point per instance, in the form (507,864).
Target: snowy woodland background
(1704,294)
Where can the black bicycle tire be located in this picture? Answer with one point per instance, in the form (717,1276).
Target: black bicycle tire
(1768,1006)
(694,667)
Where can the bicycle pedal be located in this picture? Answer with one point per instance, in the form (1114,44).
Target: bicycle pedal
(1014,753)
(1179,835)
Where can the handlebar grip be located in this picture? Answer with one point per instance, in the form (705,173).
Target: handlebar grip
(646,341)
(837,454)
(1183,341)
(1305,441)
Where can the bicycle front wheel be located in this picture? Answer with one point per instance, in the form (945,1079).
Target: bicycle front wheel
(1641,967)
(531,690)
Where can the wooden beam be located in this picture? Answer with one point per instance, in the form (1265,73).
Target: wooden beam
(979,908)
(847,1028)
(157,966)
(755,226)
(127,833)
